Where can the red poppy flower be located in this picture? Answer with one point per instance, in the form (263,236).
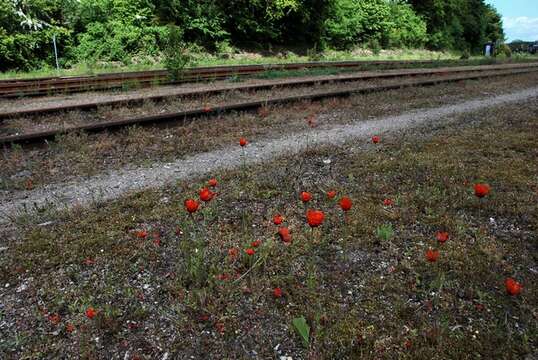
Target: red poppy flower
(91,312)
(223,277)
(388,202)
(207,109)
(315,217)
(278,219)
(54,319)
(243,142)
(220,327)
(513,287)
(346,203)
(376,139)
(481,190)
(206,195)
(432,255)
(89,261)
(311,121)
(141,234)
(256,243)
(250,251)
(233,252)
(331,194)
(191,205)
(277,292)
(285,235)
(306,196)
(212,182)
(442,236)
(69,327)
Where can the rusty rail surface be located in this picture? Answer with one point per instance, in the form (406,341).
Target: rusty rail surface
(243,106)
(258,87)
(14,88)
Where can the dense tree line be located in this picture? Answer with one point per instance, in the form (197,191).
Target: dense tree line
(118,30)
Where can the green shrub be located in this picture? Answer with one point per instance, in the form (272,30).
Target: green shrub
(503,50)
(352,22)
(407,30)
(176,53)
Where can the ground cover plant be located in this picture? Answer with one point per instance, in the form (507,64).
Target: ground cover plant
(413,245)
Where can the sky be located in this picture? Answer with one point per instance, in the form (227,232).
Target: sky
(520,18)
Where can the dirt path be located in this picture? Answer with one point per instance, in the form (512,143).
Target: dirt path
(114,184)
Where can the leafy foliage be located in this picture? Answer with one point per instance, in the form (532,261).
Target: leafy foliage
(302,328)
(137,31)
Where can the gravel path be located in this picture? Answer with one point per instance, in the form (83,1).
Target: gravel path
(114,184)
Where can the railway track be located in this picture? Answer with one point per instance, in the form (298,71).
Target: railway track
(16,88)
(37,137)
(264,85)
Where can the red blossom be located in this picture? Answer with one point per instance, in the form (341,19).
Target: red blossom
(481,190)
(306,196)
(277,292)
(285,235)
(442,236)
(243,142)
(69,327)
(388,202)
(91,312)
(223,277)
(331,194)
(346,203)
(432,255)
(250,251)
(278,219)
(212,182)
(29,184)
(220,327)
(311,120)
(376,139)
(206,195)
(54,319)
(141,234)
(191,205)
(513,287)
(233,253)
(207,109)
(89,261)
(256,243)
(315,218)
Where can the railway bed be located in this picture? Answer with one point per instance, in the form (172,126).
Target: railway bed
(41,136)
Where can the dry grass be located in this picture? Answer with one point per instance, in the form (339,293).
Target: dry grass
(362,296)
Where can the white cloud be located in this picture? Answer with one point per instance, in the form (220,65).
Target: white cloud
(521,28)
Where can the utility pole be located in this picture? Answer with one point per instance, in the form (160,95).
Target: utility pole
(55,51)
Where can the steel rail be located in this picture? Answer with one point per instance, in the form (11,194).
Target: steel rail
(243,106)
(44,86)
(258,87)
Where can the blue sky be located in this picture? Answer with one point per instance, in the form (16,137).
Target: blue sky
(520,18)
